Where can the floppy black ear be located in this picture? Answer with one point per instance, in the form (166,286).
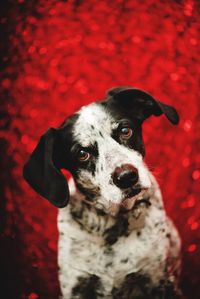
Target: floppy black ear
(43,175)
(142,103)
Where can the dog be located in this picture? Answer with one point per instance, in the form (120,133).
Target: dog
(115,239)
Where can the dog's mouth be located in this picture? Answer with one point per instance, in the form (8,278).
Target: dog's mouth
(133,192)
(133,198)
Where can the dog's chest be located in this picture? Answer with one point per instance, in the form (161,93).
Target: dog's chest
(140,250)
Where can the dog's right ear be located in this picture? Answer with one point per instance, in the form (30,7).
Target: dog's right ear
(43,174)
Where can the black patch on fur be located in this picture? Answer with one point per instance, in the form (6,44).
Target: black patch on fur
(87,288)
(89,193)
(138,286)
(109,265)
(81,213)
(134,286)
(70,148)
(165,290)
(124,261)
(120,228)
(108,251)
(77,212)
(100,212)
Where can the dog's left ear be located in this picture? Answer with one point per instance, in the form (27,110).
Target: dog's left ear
(144,105)
(42,170)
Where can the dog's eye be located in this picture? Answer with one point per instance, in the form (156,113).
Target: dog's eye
(83,155)
(126,133)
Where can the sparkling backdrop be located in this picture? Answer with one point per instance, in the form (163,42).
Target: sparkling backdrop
(59,55)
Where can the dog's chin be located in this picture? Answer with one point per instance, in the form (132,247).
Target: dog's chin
(133,198)
(130,201)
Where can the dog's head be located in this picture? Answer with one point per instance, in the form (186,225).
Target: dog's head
(102,146)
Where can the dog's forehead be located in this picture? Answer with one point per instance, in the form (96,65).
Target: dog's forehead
(93,121)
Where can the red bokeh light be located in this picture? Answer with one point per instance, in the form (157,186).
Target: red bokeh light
(65,54)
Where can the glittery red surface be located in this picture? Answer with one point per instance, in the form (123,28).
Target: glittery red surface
(59,55)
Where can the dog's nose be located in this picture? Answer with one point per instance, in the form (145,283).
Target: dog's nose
(125,176)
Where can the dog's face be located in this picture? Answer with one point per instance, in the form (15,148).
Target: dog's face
(102,146)
(105,155)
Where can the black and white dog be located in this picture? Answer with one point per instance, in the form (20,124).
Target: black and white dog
(115,239)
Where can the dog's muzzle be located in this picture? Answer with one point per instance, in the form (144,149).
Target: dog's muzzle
(125,176)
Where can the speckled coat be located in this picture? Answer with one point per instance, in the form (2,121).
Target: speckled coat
(115,240)
(139,258)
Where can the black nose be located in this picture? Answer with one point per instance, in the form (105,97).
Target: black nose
(125,176)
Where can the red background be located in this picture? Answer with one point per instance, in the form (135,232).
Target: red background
(59,55)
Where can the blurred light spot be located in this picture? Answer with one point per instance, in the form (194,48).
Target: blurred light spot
(191,201)
(43,51)
(52,11)
(196,175)
(32,296)
(136,39)
(174,76)
(52,245)
(194,225)
(191,219)
(186,162)
(187,125)
(31,49)
(193,41)
(24,139)
(188,8)
(33,113)
(54,62)
(192,248)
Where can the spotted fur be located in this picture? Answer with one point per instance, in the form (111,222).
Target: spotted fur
(113,242)
(90,246)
